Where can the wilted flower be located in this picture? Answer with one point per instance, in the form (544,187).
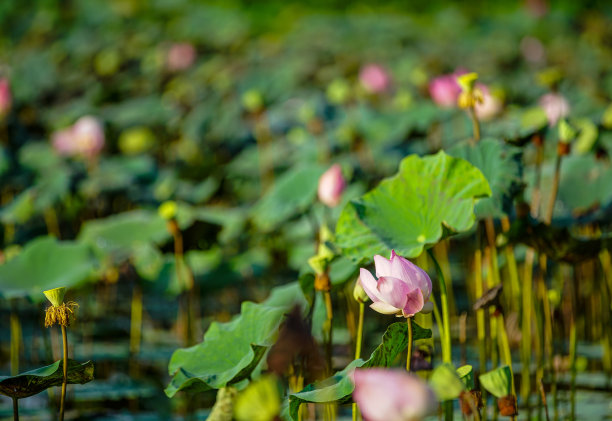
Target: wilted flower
(444,90)
(490,105)
(555,106)
(180,56)
(84,138)
(374,78)
(331,186)
(402,288)
(59,312)
(390,395)
(6,99)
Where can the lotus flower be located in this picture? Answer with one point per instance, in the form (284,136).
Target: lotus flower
(374,78)
(444,90)
(490,105)
(6,99)
(390,395)
(555,106)
(331,186)
(84,138)
(180,56)
(402,287)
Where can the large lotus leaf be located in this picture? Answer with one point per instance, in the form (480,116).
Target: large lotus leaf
(291,194)
(231,351)
(499,164)
(120,234)
(35,381)
(46,263)
(339,387)
(408,211)
(585,182)
(117,173)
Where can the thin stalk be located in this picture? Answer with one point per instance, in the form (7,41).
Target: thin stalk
(185,278)
(572,357)
(480,319)
(135,325)
(505,349)
(553,191)
(330,316)
(15,409)
(512,266)
(438,317)
(446,339)
(543,398)
(52,223)
(475,124)
(65,367)
(409,355)
(526,327)
(15,341)
(358,349)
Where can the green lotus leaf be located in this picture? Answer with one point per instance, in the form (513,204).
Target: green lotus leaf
(408,211)
(231,351)
(339,387)
(446,382)
(499,164)
(35,381)
(43,264)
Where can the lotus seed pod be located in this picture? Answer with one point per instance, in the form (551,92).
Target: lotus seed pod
(359,293)
(55,296)
(168,210)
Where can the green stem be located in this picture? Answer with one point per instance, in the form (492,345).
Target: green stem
(572,357)
(475,124)
(409,356)
(358,349)
(15,409)
(135,326)
(64,382)
(15,342)
(330,316)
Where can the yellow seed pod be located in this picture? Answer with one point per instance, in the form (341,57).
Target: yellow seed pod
(55,295)
(168,210)
(467,81)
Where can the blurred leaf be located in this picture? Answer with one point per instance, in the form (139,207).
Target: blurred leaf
(291,194)
(498,382)
(231,351)
(46,263)
(446,382)
(499,163)
(35,381)
(407,212)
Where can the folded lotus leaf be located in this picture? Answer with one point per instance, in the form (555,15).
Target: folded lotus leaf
(35,381)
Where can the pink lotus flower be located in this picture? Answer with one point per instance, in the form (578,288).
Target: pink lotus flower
(331,186)
(391,395)
(180,56)
(402,287)
(6,99)
(444,90)
(555,106)
(84,138)
(490,105)
(374,78)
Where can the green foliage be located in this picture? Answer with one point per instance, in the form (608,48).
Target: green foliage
(231,351)
(339,387)
(43,264)
(426,200)
(447,383)
(36,381)
(498,382)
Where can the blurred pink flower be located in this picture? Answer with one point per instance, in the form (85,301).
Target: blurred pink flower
(84,138)
(180,56)
(402,287)
(490,105)
(555,106)
(6,99)
(391,395)
(374,78)
(532,50)
(444,90)
(331,186)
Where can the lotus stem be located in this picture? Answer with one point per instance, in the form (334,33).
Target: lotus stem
(475,124)
(543,398)
(512,266)
(15,341)
(135,324)
(330,316)
(50,217)
(409,355)
(15,409)
(65,367)
(358,341)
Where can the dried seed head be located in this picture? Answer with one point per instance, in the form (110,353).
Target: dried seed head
(61,315)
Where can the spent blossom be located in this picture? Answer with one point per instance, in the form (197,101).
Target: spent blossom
(402,287)
(555,106)
(374,78)
(84,138)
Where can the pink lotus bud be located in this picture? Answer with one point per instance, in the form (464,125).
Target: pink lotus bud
(374,78)
(555,106)
(6,99)
(402,287)
(180,56)
(331,186)
(444,90)
(490,105)
(391,395)
(532,50)
(84,138)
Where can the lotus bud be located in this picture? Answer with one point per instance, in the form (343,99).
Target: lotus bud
(359,293)
(374,78)
(331,186)
(445,90)
(555,106)
(180,56)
